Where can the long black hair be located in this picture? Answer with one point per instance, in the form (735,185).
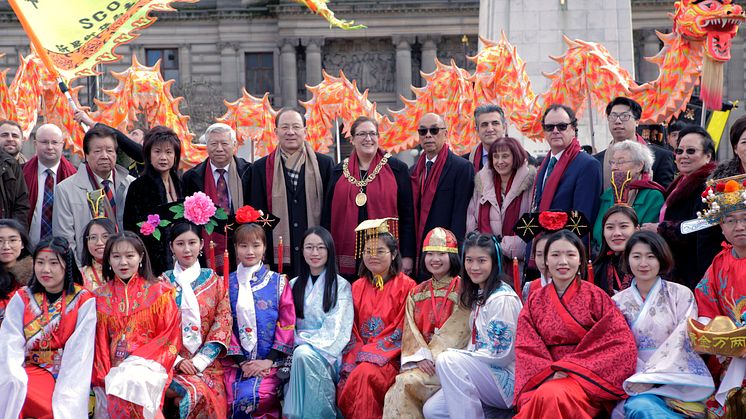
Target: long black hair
(330,276)
(61,248)
(470,295)
(133,239)
(7,283)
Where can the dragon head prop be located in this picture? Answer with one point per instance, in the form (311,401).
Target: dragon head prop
(715,23)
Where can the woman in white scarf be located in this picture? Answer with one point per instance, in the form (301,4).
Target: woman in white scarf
(324,312)
(197,388)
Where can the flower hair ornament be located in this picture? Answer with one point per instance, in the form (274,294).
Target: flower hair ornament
(722,197)
(532,223)
(197,209)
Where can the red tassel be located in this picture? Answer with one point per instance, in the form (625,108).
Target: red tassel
(226,266)
(590,272)
(279,257)
(211,256)
(517,278)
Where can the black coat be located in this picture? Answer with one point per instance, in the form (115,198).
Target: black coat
(405,206)
(146,195)
(297,208)
(193,179)
(14,202)
(663,166)
(454,190)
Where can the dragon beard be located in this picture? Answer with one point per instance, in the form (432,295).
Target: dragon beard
(717,53)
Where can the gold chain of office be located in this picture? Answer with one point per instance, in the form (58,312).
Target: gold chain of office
(361,198)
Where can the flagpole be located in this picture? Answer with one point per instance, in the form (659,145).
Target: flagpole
(336,136)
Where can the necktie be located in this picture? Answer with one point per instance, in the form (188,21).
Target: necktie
(428,169)
(222,186)
(46,205)
(109,191)
(550,167)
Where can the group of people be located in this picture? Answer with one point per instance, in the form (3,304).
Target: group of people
(589,285)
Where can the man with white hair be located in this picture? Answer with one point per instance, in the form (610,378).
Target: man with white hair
(43,172)
(223,176)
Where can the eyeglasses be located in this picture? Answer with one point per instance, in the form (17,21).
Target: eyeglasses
(294,128)
(619,162)
(375,252)
(310,249)
(690,151)
(733,222)
(95,238)
(12,242)
(550,127)
(624,116)
(363,135)
(433,131)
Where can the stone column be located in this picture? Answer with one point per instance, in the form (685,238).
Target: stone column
(313,61)
(429,54)
(288,73)
(650,48)
(229,69)
(403,68)
(185,63)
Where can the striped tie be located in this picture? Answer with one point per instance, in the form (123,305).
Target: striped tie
(47,205)
(108,190)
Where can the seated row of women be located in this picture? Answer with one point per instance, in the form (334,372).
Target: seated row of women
(191,344)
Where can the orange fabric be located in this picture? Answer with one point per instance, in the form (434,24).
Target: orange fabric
(38,393)
(560,398)
(363,394)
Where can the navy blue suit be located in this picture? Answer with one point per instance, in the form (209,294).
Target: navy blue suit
(579,188)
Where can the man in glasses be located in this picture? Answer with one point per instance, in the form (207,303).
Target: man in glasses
(491,125)
(623,115)
(568,179)
(43,172)
(442,182)
(291,182)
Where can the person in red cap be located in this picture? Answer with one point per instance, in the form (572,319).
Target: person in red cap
(434,322)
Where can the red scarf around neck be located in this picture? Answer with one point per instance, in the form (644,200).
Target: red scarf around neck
(382,194)
(30,172)
(550,187)
(510,214)
(424,191)
(477,160)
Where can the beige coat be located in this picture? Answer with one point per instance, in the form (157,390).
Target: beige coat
(484,191)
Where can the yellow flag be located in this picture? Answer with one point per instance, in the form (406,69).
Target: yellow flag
(75,35)
(716,127)
(319,7)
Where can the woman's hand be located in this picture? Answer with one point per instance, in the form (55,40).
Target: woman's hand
(257,368)
(427,366)
(186,367)
(650,227)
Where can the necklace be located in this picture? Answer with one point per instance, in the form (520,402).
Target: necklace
(361,198)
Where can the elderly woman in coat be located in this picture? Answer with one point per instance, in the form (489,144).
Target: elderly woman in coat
(502,192)
(632,173)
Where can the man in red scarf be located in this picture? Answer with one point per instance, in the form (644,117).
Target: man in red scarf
(491,125)
(568,178)
(442,182)
(47,163)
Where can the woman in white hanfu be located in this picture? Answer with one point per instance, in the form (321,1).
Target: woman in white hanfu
(47,339)
(671,380)
(324,316)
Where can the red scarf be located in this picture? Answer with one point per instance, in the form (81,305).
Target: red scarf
(424,191)
(382,191)
(477,160)
(550,187)
(218,237)
(646,183)
(30,173)
(510,214)
(269,175)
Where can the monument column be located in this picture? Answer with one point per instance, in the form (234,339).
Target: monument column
(229,69)
(650,48)
(185,63)
(429,53)
(288,73)
(313,61)
(403,68)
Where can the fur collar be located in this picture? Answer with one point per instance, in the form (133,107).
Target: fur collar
(22,271)
(523,181)
(729,168)
(684,186)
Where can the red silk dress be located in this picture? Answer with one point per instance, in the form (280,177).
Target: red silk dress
(371,361)
(581,334)
(135,319)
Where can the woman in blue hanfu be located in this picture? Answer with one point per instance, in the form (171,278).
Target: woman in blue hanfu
(671,380)
(324,315)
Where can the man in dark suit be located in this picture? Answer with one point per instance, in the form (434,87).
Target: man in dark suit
(624,115)
(568,179)
(442,182)
(491,125)
(291,183)
(224,177)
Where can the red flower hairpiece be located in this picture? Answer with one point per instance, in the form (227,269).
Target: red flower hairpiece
(553,220)
(247,214)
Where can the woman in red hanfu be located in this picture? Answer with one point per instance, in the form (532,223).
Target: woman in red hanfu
(138,333)
(371,362)
(46,341)
(574,348)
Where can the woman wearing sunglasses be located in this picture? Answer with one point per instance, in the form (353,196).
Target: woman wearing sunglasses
(693,252)
(369,184)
